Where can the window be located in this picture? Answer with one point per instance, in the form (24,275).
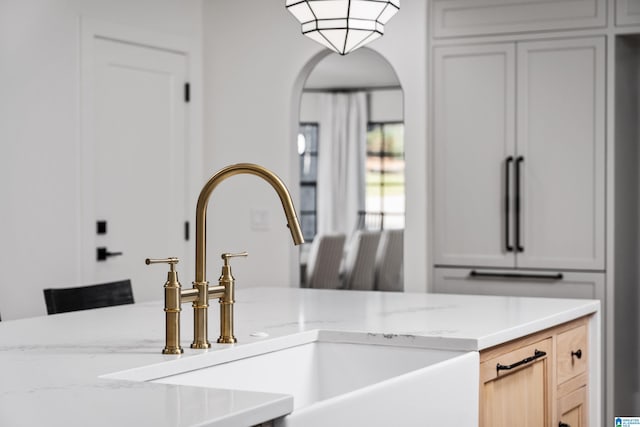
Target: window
(308,151)
(385,192)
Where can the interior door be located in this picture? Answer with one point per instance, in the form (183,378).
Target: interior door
(474,137)
(561,153)
(137,144)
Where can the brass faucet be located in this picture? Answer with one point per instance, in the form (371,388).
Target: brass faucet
(201,292)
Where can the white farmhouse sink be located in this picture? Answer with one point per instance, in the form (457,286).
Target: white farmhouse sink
(350,383)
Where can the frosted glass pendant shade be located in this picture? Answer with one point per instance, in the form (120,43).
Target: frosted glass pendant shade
(343,25)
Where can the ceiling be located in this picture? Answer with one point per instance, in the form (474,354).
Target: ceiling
(363,68)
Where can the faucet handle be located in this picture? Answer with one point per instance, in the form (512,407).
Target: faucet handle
(172,261)
(172,304)
(227,281)
(225,256)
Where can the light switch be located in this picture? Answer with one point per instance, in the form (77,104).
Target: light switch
(260,220)
(101,227)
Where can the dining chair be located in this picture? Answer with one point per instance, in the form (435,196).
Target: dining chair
(359,265)
(325,257)
(389,261)
(61,300)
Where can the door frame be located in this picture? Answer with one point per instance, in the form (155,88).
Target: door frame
(91,29)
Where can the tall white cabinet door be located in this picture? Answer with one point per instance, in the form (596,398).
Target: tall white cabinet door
(474,117)
(561,140)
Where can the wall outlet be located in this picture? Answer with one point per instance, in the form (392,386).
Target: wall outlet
(260,220)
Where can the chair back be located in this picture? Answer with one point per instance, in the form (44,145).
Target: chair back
(359,267)
(370,220)
(389,261)
(62,300)
(325,257)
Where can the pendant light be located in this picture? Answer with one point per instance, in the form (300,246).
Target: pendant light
(343,25)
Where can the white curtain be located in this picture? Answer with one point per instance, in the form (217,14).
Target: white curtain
(342,151)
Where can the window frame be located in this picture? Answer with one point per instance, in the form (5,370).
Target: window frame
(310,184)
(381,155)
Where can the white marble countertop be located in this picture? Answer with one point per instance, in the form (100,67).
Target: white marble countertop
(51,367)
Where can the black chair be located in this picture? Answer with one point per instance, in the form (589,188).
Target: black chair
(85,297)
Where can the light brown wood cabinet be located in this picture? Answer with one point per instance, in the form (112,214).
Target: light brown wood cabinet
(572,364)
(572,409)
(540,380)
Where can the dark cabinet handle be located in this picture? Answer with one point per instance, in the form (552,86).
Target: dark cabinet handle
(557,276)
(518,207)
(577,354)
(537,354)
(507,201)
(102,254)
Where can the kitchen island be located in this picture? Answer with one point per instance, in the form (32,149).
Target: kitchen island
(59,370)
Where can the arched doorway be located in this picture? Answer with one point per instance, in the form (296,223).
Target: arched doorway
(351,100)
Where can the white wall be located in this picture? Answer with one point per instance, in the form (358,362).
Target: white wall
(39,134)
(254,69)
(255,66)
(384,106)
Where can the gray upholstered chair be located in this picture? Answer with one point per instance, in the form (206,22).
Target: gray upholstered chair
(389,261)
(359,264)
(325,257)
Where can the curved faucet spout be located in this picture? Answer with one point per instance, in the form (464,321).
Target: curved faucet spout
(203,201)
(201,303)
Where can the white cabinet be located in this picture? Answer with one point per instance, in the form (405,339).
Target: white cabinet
(456,18)
(561,141)
(521,283)
(627,12)
(519,167)
(474,131)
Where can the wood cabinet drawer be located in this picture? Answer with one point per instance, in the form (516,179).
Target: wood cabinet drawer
(572,408)
(517,358)
(572,354)
(515,385)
